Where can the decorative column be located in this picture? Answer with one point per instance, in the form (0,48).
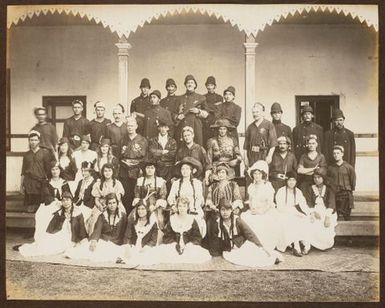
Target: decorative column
(250,46)
(123,47)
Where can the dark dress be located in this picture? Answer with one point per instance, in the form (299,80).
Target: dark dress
(130,236)
(110,232)
(88,200)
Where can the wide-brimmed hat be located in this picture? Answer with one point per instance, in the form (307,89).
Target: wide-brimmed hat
(222,123)
(260,165)
(194,163)
(163,122)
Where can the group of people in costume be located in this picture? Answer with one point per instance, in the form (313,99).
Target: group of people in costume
(162,184)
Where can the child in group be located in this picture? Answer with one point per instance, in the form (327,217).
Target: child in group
(105,243)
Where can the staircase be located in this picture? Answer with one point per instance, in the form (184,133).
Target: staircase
(364,219)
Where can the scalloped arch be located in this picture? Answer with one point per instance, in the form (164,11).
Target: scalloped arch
(126,19)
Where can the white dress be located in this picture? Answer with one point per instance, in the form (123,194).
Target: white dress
(266,223)
(45,243)
(81,156)
(194,193)
(192,253)
(296,224)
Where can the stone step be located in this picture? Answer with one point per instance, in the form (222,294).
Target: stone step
(19,220)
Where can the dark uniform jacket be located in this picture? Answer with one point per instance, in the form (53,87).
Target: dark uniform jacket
(212,100)
(74,127)
(134,150)
(171,103)
(232,112)
(151,116)
(343,137)
(48,135)
(258,140)
(116,134)
(279,167)
(130,236)
(78,229)
(164,162)
(282,130)
(140,105)
(342,178)
(110,231)
(300,134)
(97,131)
(220,240)
(186,102)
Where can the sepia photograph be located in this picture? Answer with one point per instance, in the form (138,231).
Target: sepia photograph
(192,152)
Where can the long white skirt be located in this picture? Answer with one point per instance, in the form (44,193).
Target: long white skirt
(105,251)
(192,254)
(138,256)
(321,237)
(47,244)
(251,255)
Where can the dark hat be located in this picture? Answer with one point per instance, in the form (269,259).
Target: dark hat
(53,164)
(222,166)
(63,140)
(337,113)
(339,147)
(163,122)
(276,107)
(147,162)
(105,141)
(145,83)
(77,101)
(211,80)
(224,203)
(66,194)
(157,93)
(320,172)
(307,109)
(87,165)
(291,175)
(190,77)
(86,138)
(230,89)
(170,82)
(222,123)
(192,162)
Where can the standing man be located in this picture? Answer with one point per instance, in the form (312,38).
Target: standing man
(162,150)
(154,114)
(282,163)
(303,130)
(260,137)
(280,128)
(192,109)
(212,100)
(98,125)
(192,149)
(35,172)
(48,134)
(117,130)
(339,135)
(134,151)
(76,125)
(343,182)
(170,103)
(140,104)
(230,111)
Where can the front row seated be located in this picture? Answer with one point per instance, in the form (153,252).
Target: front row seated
(250,237)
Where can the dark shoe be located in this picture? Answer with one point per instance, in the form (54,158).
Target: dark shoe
(297,253)
(16,247)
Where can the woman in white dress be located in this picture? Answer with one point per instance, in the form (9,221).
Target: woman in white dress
(105,243)
(141,237)
(232,238)
(262,216)
(64,228)
(182,238)
(321,200)
(295,215)
(191,188)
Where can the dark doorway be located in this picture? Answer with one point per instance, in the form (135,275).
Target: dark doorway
(322,105)
(59,108)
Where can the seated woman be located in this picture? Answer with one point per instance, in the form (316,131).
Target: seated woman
(182,238)
(105,243)
(229,236)
(191,188)
(309,162)
(67,163)
(154,189)
(262,217)
(101,188)
(104,156)
(140,237)
(225,189)
(321,200)
(295,215)
(64,228)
